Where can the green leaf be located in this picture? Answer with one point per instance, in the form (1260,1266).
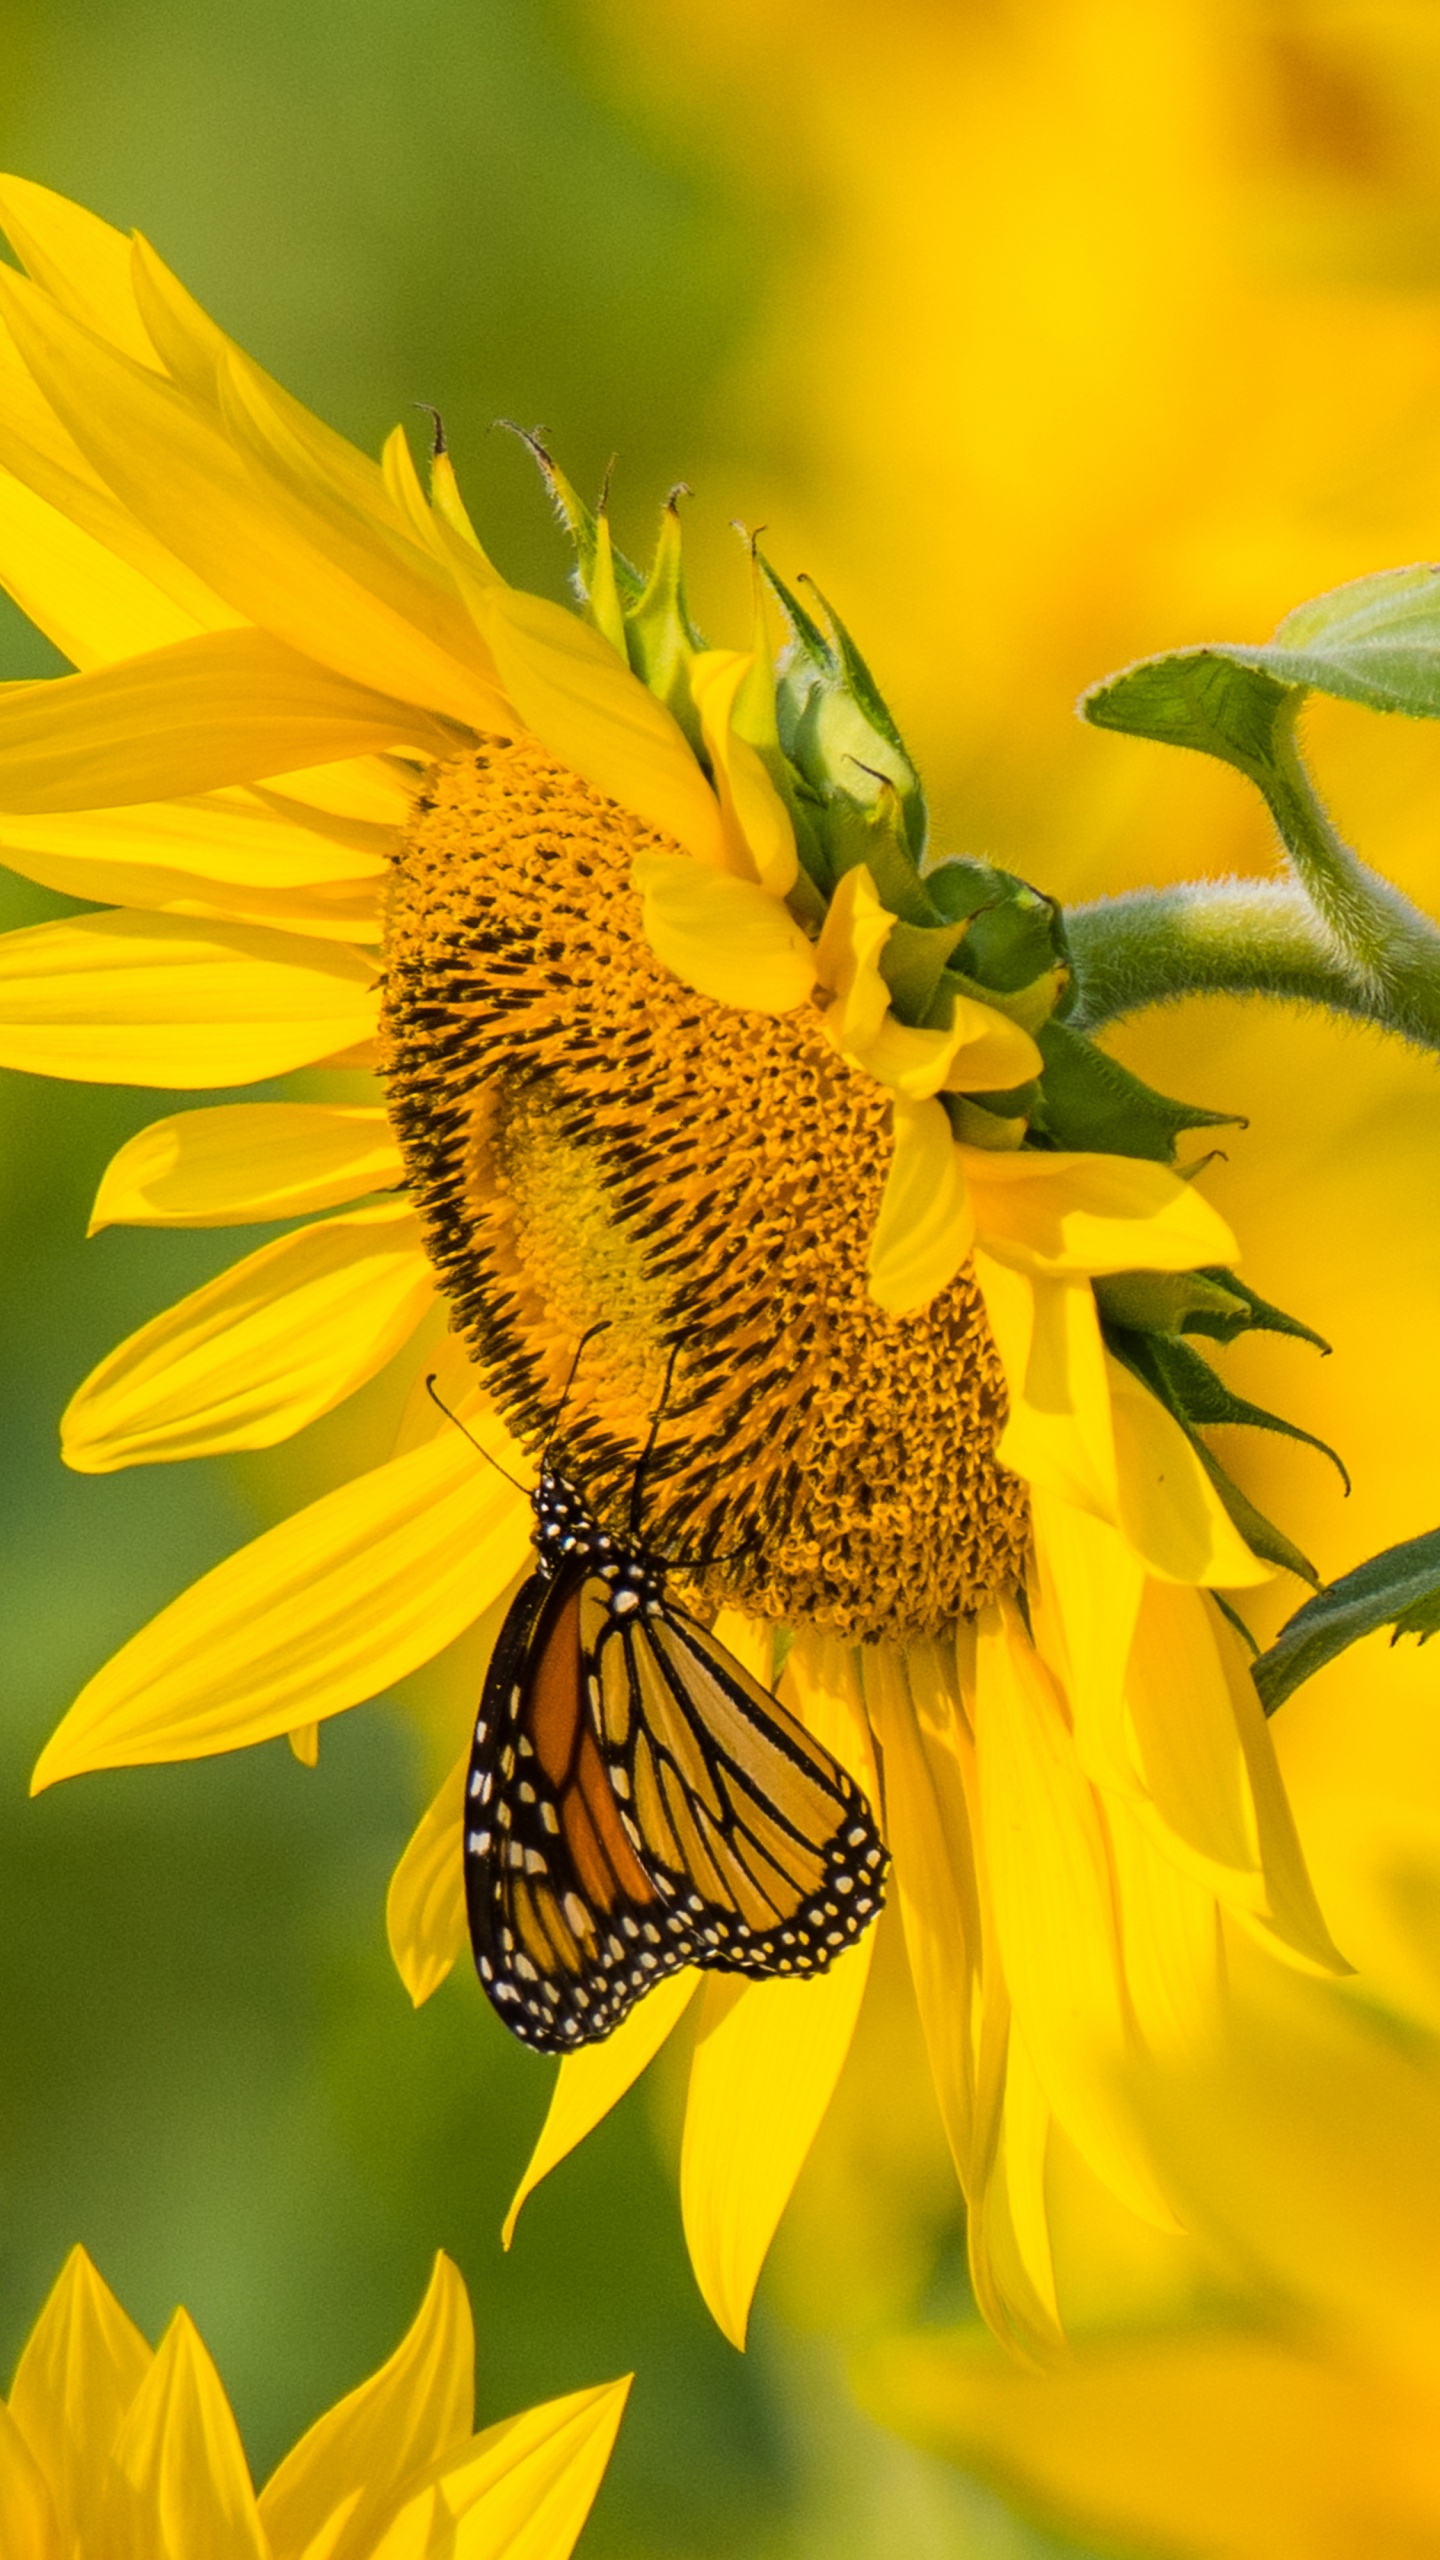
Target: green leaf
(1091,1102)
(1375,641)
(1399,1588)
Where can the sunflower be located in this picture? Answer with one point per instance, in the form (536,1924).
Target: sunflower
(111,2446)
(697,1059)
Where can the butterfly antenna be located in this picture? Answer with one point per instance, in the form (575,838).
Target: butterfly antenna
(637,1487)
(436,1398)
(580,1348)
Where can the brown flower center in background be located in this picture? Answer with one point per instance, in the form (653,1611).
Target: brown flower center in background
(590,1142)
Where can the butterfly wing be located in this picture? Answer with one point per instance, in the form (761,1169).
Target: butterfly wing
(567,1927)
(757,1840)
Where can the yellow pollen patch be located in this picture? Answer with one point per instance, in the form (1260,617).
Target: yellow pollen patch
(587,1141)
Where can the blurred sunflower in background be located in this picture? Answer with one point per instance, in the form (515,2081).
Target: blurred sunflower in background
(691,1034)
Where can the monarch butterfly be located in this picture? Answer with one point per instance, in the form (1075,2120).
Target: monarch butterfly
(636,1802)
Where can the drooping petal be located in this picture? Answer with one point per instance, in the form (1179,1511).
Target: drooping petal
(725,937)
(1292,1920)
(1060,1434)
(1092,1213)
(759,837)
(330,1607)
(927,1222)
(92,603)
(340,2485)
(261,1350)
(244,1162)
(130,998)
(228,706)
(520,2491)
(591,2082)
(1170,1933)
(425,1907)
(767,2057)
(384,619)
(1054,1904)
(583,703)
(182,2482)
(82,261)
(82,2365)
(1084,1608)
(917,1721)
(29,2525)
(1168,1507)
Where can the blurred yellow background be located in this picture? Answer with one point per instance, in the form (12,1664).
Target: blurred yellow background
(1044,334)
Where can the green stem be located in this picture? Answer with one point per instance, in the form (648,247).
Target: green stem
(1333,933)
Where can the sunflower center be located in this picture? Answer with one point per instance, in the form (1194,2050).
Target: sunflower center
(590,1144)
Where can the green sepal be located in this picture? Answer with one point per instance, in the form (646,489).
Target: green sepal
(1259,1317)
(1171,1302)
(581,523)
(1030,1006)
(1232,1616)
(660,637)
(1260,1534)
(975,1125)
(1375,641)
(912,965)
(834,725)
(1015,936)
(1197,1394)
(1399,1588)
(875,835)
(1093,1103)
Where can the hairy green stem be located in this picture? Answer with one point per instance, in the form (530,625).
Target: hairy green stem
(1333,933)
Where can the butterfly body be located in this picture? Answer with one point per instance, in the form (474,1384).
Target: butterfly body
(636,1802)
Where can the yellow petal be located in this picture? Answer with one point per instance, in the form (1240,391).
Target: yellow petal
(856,929)
(927,1821)
(1060,1434)
(304,1741)
(182,2475)
(425,1907)
(992,1053)
(357,2461)
(246,1161)
(28,2523)
(571,688)
(82,261)
(1185,1742)
(1203,2445)
(130,998)
(520,2491)
(1053,1897)
(1169,1922)
(1084,1610)
(758,835)
(92,603)
(230,706)
(821,1685)
(1169,1509)
(333,1606)
(767,2057)
(82,2365)
(926,1224)
(727,938)
(591,2082)
(1292,1919)
(261,1350)
(340,594)
(1092,1213)
(228,838)
(1024,2145)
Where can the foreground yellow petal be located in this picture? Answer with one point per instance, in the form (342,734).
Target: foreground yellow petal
(82,261)
(82,2366)
(182,2482)
(759,838)
(92,604)
(331,1607)
(727,938)
(1168,1506)
(520,2491)
(261,1350)
(926,1224)
(244,1162)
(425,1906)
(131,998)
(28,2522)
(591,2082)
(230,706)
(767,2057)
(347,2473)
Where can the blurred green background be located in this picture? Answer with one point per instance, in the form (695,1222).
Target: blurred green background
(1046,332)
